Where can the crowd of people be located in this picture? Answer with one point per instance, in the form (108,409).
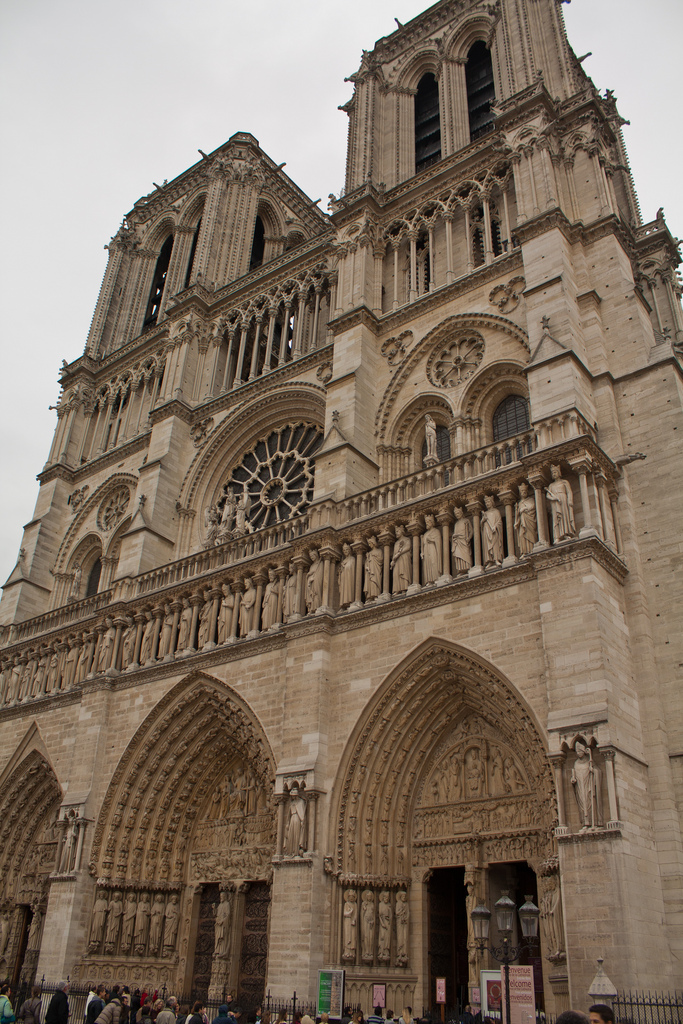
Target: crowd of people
(119,1006)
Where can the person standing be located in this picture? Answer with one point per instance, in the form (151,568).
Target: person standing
(376,1017)
(30,1008)
(95,1005)
(6,1011)
(58,1010)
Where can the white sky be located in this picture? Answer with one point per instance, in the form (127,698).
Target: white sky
(98,100)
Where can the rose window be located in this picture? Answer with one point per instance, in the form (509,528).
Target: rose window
(113,508)
(454,362)
(277,474)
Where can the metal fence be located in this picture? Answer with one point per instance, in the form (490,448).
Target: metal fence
(649,1007)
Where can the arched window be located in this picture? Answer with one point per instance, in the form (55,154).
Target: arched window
(193,250)
(511,417)
(443,445)
(258,245)
(93,578)
(427,123)
(480,90)
(158,282)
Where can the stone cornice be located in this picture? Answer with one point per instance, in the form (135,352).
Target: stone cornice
(352,318)
(175,407)
(109,458)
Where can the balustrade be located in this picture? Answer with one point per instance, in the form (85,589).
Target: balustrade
(436,535)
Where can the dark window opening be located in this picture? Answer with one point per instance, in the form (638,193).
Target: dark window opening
(159,282)
(94,578)
(193,251)
(495,238)
(510,418)
(480,89)
(427,123)
(477,247)
(258,245)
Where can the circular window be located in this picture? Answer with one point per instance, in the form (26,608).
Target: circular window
(274,481)
(453,362)
(113,508)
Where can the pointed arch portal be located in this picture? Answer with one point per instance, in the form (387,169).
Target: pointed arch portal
(445,798)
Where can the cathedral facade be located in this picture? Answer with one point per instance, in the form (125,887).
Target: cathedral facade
(349,600)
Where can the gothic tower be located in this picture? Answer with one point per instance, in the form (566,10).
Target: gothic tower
(365,525)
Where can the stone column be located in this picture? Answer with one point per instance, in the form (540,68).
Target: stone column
(583,466)
(538,483)
(386,539)
(260,578)
(613,498)
(330,555)
(508,499)
(300,562)
(608,754)
(215,594)
(358,547)
(237,589)
(414,529)
(557,761)
(196,601)
(444,518)
(474,509)
(158,613)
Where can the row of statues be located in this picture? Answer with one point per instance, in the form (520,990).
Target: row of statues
(367,929)
(238,794)
(143,925)
(229,520)
(475,773)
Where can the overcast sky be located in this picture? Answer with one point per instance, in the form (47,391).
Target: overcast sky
(98,100)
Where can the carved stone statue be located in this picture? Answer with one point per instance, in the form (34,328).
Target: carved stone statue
(402,928)
(171,916)
(225,613)
(430,551)
(228,514)
(184,627)
(349,928)
(128,643)
(550,905)
(222,927)
(128,929)
(204,621)
(4,930)
(461,541)
(430,436)
(374,559)
(401,561)
(99,916)
(367,926)
(270,601)
(289,601)
(75,591)
(166,635)
(106,646)
(474,771)
(35,934)
(296,821)
(586,783)
(156,923)
(247,607)
(147,639)
(314,582)
(491,533)
(242,512)
(113,923)
(559,494)
(142,924)
(384,917)
(347,577)
(525,521)
(211,525)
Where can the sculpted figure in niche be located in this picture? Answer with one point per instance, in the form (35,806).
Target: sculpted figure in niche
(430,436)
(128,930)
(211,525)
(222,927)
(349,928)
(4,930)
(430,551)
(204,621)
(106,646)
(84,659)
(402,926)
(559,494)
(166,637)
(171,915)
(367,926)
(401,561)
(225,613)
(142,924)
(114,922)
(270,600)
(75,591)
(156,923)
(242,511)
(586,784)
(498,783)
(99,916)
(215,808)
(551,915)
(491,532)
(128,641)
(294,836)
(34,935)
(247,607)
(347,577)
(525,521)
(514,783)
(384,915)
(289,600)
(314,582)
(184,628)
(227,515)
(373,570)
(461,541)
(474,771)
(147,639)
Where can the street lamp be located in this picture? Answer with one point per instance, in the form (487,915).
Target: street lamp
(505,918)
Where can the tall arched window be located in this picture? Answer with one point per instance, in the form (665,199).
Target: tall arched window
(511,417)
(193,250)
(93,578)
(427,123)
(158,282)
(480,90)
(258,245)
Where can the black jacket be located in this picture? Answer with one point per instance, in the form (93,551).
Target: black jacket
(58,1010)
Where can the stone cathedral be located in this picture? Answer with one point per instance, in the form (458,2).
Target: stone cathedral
(338,612)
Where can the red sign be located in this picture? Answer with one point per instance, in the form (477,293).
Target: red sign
(441,990)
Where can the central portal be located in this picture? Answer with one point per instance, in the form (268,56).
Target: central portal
(448,936)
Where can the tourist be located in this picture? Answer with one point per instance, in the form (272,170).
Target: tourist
(30,1008)
(6,1011)
(601,1013)
(58,1010)
(95,1005)
(111,1014)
